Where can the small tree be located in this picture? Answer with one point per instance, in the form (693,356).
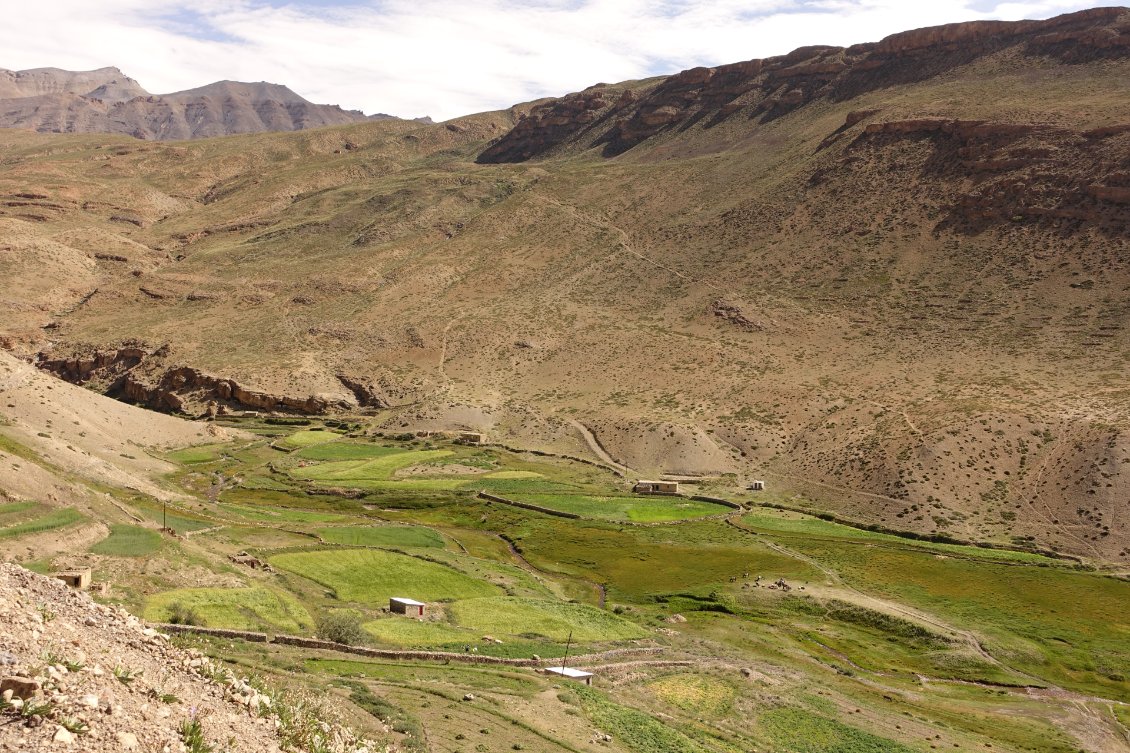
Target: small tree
(341,626)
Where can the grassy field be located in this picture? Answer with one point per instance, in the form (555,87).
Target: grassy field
(346,450)
(17,512)
(301,439)
(402,631)
(638,509)
(207,453)
(800,731)
(382,536)
(806,526)
(128,541)
(1071,627)
(541,619)
(53,520)
(702,695)
(236,608)
(371,576)
(280,514)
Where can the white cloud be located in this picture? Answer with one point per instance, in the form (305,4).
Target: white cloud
(448,57)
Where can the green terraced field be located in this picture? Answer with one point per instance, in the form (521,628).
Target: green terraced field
(372,576)
(49,522)
(307,438)
(207,453)
(236,608)
(16,512)
(377,469)
(343,449)
(402,631)
(128,541)
(280,514)
(638,509)
(540,619)
(383,536)
(783,521)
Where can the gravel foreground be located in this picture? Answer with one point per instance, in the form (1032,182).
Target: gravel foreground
(81,676)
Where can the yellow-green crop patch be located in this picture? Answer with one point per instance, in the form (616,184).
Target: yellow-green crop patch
(373,576)
(346,450)
(128,541)
(639,509)
(402,631)
(536,618)
(376,469)
(280,514)
(49,522)
(701,695)
(513,475)
(799,524)
(382,536)
(206,453)
(16,512)
(308,438)
(237,608)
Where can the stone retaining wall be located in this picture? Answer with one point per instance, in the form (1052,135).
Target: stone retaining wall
(245,635)
(528,506)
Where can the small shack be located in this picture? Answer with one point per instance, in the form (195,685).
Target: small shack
(757,486)
(470,437)
(410,607)
(77,579)
(573,674)
(656,487)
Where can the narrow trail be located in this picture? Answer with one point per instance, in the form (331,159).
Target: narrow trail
(597,448)
(525,564)
(443,348)
(1035,501)
(967,636)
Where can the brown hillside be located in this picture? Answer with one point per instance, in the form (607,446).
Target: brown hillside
(900,291)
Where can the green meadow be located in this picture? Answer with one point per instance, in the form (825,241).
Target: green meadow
(372,576)
(882,643)
(235,608)
(634,508)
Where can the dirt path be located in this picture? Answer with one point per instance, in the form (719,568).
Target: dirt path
(543,575)
(597,448)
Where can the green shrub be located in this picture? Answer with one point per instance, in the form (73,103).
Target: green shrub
(341,626)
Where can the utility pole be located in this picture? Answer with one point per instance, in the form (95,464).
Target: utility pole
(566,657)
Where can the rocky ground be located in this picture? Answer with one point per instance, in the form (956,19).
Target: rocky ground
(76,675)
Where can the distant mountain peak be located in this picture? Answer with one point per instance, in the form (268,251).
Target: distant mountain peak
(106,100)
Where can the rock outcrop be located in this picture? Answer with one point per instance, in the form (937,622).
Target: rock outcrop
(142,376)
(618,119)
(76,675)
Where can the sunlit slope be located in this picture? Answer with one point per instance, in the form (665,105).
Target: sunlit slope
(906,300)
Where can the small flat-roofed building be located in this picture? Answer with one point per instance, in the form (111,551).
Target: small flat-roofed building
(757,486)
(573,674)
(656,487)
(410,607)
(78,579)
(470,437)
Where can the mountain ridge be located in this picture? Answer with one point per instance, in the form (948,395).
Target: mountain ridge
(105,100)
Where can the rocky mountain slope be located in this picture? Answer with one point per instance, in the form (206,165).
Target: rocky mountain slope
(890,278)
(77,675)
(50,100)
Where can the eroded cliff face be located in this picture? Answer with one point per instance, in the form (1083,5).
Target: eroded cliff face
(616,119)
(147,377)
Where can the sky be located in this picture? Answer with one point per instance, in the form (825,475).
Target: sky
(446,58)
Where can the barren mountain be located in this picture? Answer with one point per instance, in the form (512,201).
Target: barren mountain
(891,278)
(51,100)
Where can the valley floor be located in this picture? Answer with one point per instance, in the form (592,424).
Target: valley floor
(738,628)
